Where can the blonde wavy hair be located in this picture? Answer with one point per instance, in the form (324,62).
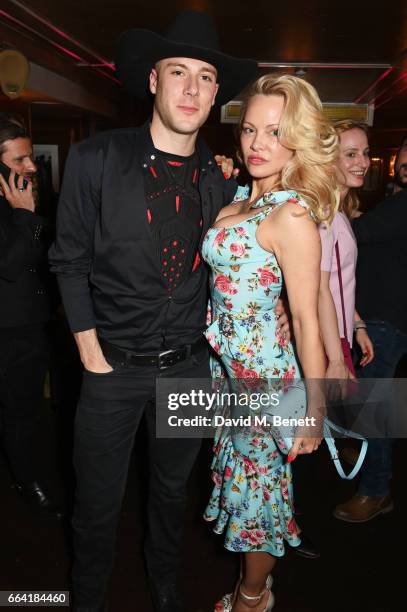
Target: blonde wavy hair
(304,129)
(351,202)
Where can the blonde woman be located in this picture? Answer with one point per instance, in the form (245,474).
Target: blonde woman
(268,236)
(339,319)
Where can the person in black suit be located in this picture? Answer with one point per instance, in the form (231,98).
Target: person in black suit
(24,312)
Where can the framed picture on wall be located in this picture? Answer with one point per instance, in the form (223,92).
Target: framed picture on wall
(46,153)
(374,175)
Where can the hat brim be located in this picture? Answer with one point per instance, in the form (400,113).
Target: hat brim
(138,51)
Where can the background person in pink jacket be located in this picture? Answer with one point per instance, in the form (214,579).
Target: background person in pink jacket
(339,320)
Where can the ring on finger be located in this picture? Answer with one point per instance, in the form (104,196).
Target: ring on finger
(21,189)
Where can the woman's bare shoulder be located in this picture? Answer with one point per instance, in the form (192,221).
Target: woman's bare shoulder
(291,214)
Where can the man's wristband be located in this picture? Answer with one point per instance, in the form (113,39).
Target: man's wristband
(359,325)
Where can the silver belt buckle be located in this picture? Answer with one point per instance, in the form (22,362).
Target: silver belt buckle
(161,366)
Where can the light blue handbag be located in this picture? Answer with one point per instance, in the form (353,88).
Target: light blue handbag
(293,405)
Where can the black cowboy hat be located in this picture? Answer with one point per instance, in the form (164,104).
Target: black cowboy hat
(191,35)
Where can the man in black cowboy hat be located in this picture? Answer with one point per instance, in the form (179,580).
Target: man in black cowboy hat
(134,207)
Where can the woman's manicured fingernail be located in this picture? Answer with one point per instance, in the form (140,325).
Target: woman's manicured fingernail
(226,175)
(290,458)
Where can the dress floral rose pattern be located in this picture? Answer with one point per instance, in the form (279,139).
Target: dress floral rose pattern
(252,499)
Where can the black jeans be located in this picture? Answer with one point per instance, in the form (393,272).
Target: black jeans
(109,412)
(24,356)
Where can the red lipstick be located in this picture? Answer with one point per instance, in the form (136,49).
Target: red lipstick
(256,160)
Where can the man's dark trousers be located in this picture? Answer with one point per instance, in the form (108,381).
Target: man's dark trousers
(24,354)
(109,412)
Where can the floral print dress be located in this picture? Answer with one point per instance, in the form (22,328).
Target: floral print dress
(252,500)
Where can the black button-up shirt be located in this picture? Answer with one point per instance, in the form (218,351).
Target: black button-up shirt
(105,257)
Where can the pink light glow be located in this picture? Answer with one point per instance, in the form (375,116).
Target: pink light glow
(63,34)
(48,40)
(400,91)
(379,95)
(376,82)
(55,44)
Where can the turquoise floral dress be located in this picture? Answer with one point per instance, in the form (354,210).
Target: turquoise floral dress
(252,500)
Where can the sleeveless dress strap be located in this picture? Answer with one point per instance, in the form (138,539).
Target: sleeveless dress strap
(270,200)
(277,198)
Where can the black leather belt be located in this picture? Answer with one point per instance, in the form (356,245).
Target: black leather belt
(162,360)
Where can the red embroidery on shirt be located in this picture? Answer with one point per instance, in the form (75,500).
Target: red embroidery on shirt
(174,163)
(195,175)
(177,203)
(149,215)
(196,262)
(153,172)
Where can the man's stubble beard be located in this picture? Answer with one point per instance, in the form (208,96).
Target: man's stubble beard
(169,122)
(187,129)
(399,180)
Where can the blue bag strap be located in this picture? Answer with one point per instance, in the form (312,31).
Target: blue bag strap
(328,425)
